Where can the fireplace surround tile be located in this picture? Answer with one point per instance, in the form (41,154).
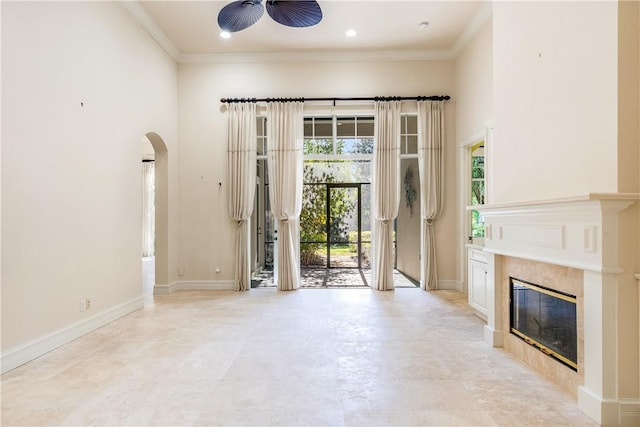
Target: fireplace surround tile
(563,279)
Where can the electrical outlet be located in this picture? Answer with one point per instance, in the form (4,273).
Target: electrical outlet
(88,303)
(83,305)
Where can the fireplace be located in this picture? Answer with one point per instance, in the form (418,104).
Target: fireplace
(584,246)
(545,319)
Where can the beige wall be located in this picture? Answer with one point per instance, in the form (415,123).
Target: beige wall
(627,304)
(629,181)
(555,99)
(71,174)
(474,84)
(147,149)
(206,232)
(629,96)
(474,109)
(637,246)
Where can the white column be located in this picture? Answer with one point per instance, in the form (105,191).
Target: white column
(493,330)
(598,396)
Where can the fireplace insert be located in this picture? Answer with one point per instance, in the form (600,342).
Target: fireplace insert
(546,319)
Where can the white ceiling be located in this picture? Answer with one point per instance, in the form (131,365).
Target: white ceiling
(189,31)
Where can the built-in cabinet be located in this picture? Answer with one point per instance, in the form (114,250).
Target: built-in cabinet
(477,278)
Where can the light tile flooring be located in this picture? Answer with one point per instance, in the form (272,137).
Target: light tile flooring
(311,357)
(333,278)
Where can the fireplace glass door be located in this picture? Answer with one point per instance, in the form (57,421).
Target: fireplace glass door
(545,319)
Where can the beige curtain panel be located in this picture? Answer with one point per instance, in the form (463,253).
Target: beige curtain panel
(386,190)
(284,155)
(148,209)
(431,170)
(241,178)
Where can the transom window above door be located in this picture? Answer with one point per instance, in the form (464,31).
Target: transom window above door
(338,135)
(409,136)
(344,136)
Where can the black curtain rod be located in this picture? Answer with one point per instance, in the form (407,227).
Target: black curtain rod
(369,98)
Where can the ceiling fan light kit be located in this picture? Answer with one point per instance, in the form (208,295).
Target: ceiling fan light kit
(241,14)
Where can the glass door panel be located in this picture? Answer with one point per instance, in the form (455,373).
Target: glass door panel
(343,210)
(365,226)
(313,225)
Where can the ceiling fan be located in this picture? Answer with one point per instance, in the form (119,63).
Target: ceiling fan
(241,14)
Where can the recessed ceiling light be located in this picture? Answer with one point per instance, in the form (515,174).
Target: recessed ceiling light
(225,34)
(423,24)
(351,33)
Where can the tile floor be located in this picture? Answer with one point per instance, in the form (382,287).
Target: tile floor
(328,357)
(333,278)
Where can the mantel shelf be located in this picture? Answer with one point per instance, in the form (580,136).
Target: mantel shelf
(560,200)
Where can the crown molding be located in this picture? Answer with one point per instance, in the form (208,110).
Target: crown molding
(322,56)
(160,37)
(482,17)
(150,27)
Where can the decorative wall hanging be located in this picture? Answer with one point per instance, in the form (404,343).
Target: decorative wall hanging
(409,190)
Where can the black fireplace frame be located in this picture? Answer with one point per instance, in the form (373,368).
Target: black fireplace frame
(531,340)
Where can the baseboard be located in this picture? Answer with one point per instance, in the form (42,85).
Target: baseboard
(629,412)
(164,289)
(36,348)
(606,412)
(193,285)
(621,412)
(450,285)
(493,337)
(227,285)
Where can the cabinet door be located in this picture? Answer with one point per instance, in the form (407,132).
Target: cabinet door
(478,285)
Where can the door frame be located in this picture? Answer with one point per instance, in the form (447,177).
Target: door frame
(358,186)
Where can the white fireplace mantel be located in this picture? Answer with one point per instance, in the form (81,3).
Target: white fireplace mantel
(581,233)
(573,232)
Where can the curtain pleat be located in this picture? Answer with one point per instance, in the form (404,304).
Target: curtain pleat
(431,170)
(284,154)
(386,190)
(241,176)
(148,209)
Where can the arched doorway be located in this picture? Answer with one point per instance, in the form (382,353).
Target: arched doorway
(160,262)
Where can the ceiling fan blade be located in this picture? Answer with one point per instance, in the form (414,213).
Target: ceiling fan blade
(295,13)
(240,14)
